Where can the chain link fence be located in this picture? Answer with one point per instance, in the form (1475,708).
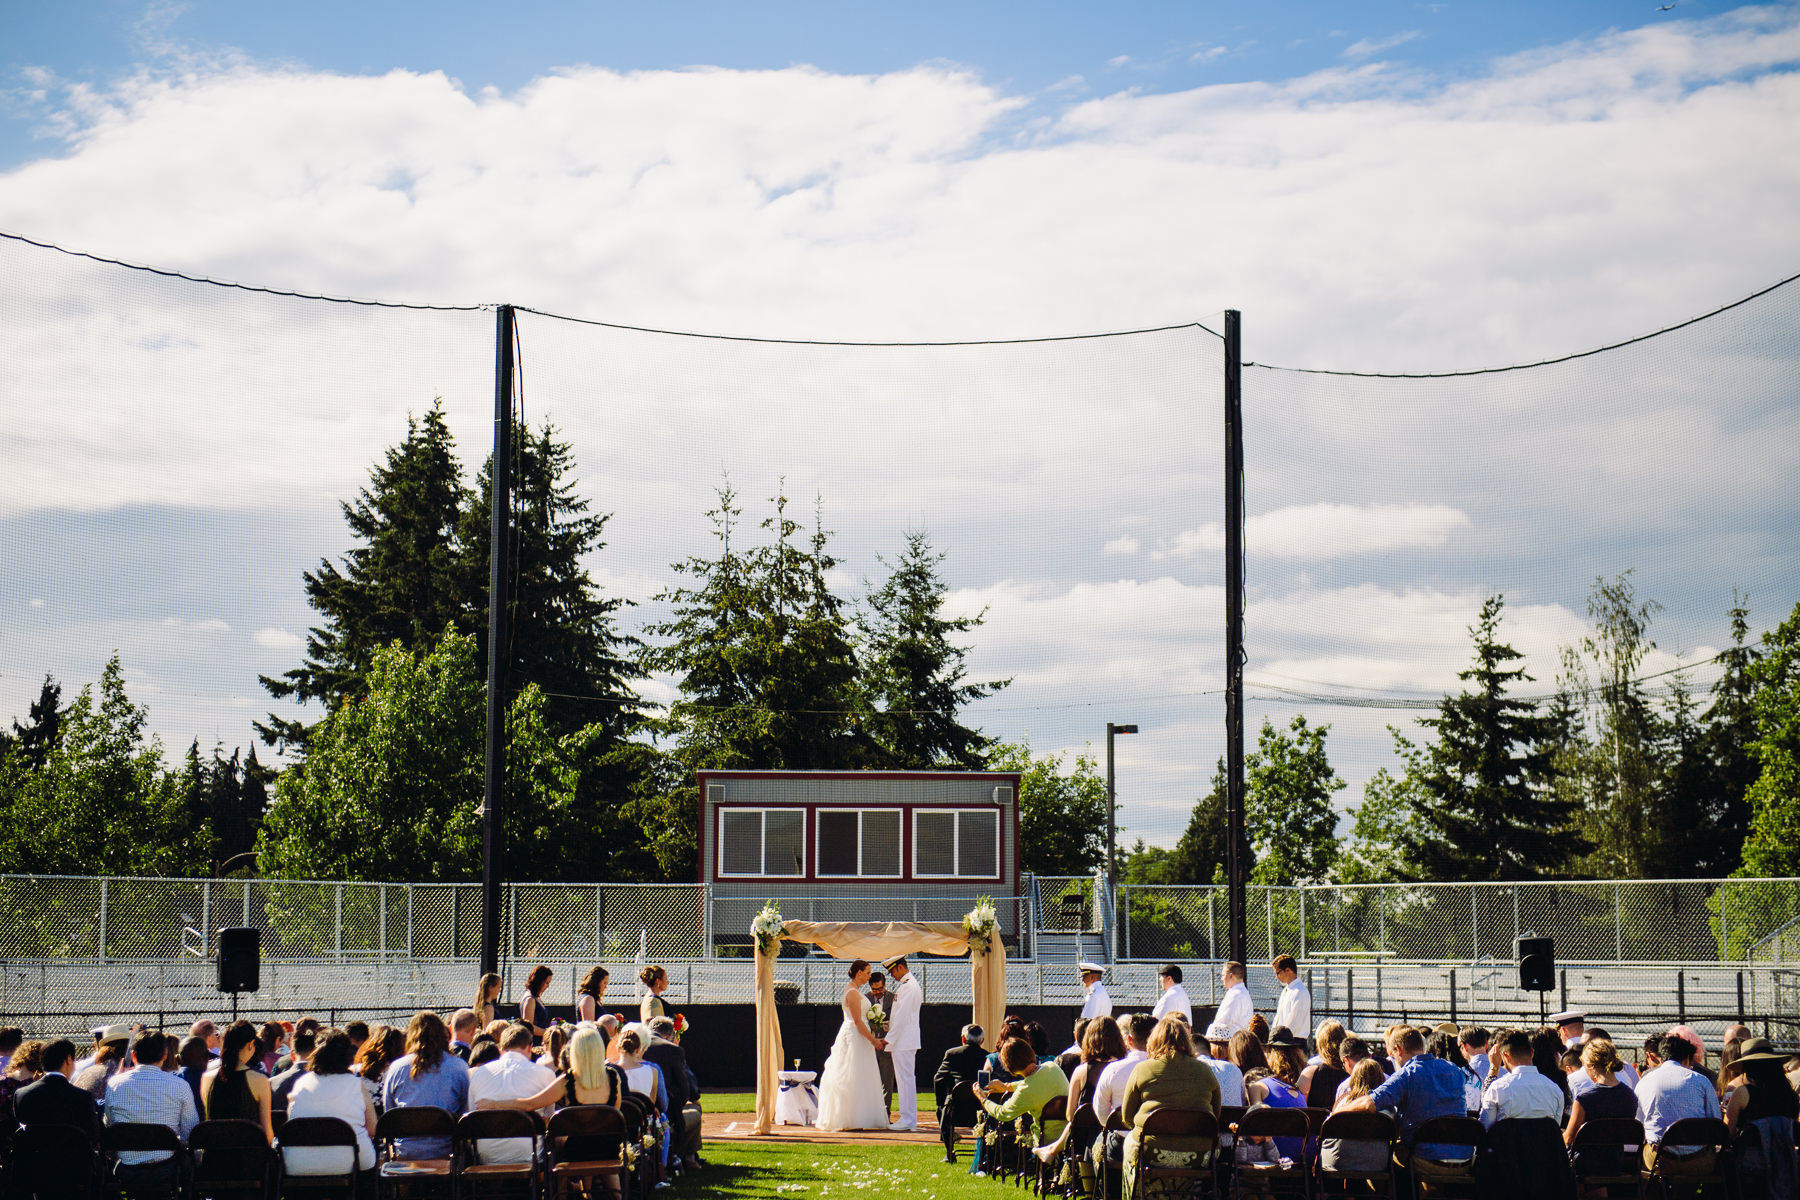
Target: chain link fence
(1673,921)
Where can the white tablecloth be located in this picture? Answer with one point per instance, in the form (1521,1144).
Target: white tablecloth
(796,1103)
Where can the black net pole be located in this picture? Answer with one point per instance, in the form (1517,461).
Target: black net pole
(499,569)
(1234,638)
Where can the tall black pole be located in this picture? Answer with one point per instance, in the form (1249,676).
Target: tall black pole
(1234,638)
(499,568)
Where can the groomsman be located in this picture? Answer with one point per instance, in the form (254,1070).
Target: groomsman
(880,996)
(903,1040)
(1096,1003)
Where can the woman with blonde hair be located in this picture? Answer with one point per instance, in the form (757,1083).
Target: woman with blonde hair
(486,993)
(1598,1093)
(1172,1077)
(586,1081)
(1356,1154)
(1319,1082)
(554,1042)
(656,982)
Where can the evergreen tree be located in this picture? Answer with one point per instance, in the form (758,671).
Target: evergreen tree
(1200,855)
(564,636)
(1727,730)
(236,797)
(1487,810)
(914,673)
(1384,827)
(35,739)
(402,583)
(1773,847)
(1289,782)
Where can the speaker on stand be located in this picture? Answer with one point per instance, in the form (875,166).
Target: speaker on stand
(1537,969)
(240,962)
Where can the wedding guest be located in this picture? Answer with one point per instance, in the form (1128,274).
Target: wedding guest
(235,1091)
(426,1075)
(51,1099)
(281,1087)
(589,993)
(1355,1154)
(328,1089)
(555,1041)
(463,1025)
(532,1010)
(1101,1045)
(385,1044)
(22,1068)
(1606,1095)
(1319,1082)
(1763,1091)
(357,1032)
(1034,1085)
(510,1076)
(1171,1076)
(272,1038)
(665,1053)
(146,1095)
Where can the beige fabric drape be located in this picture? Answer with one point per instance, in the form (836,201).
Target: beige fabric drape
(875,941)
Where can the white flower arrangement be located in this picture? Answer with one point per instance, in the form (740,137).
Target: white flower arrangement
(766,929)
(980,924)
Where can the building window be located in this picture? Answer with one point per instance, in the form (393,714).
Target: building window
(762,841)
(956,843)
(861,842)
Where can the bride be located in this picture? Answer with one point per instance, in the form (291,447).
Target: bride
(850,1095)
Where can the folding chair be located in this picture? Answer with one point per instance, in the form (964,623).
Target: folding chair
(1112,1178)
(638,1112)
(1709,1133)
(1166,1122)
(585,1121)
(959,1103)
(1294,1180)
(141,1136)
(1622,1136)
(486,1124)
(1359,1127)
(1084,1128)
(231,1158)
(52,1161)
(1431,1177)
(401,1176)
(317,1132)
(1056,1110)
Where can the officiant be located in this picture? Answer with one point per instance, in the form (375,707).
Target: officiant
(882,999)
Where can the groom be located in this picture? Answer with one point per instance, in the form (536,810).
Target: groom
(903,1040)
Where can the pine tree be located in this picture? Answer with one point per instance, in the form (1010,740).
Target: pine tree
(1727,731)
(1384,827)
(402,583)
(35,739)
(1200,855)
(564,634)
(914,673)
(1487,810)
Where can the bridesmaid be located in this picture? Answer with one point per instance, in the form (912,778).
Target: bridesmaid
(656,982)
(486,993)
(532,1010)
(591,992)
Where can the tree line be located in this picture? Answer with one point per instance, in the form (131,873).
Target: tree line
(1612,775)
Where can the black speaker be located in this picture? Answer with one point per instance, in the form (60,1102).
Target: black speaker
(1537,964)
(240,959)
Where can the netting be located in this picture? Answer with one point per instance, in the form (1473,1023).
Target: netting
(177,453)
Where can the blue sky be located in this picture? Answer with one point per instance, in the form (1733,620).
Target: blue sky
(1024,47)
(1389,187)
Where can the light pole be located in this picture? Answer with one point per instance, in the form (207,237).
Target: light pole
(1112,807)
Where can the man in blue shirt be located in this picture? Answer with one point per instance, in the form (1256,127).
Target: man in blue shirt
(1421,1087)
(146,1094)
(1673,1091)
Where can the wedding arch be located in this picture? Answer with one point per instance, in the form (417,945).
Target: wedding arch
(976,935)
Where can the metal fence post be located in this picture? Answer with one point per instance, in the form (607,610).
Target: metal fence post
(706,920)
(338,926)
(1724,928)
(206,910)
(381,922)
(102,946)
(1212,940)
(1474,929)
(1380,936)
(409,920)
(1303,945)
(246,902)
(1618,926)
(1125,889)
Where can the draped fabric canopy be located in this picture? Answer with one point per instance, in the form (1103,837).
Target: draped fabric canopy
(875,941)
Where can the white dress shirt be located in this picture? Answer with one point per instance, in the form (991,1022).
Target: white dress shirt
(1109,1093)
(1096,1003)
(1175,1000)
(1521,1092)
(512,1076)
(1235,1010)
(151,1096)
(1293,1010)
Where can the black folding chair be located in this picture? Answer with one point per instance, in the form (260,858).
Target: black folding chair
(1274,1179)
(1367,1127)
(958,1109)
(1616,1140)
(231,1159)
(1056,1110)
(52,1162)
(589,1123)
(399,1175)
(302,1133)
(168,1177)
(1709,1133)
(488,1124)
(1434,1177)
(1165,1122)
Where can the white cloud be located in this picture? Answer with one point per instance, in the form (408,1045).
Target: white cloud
(205,625)
(1370,46)
(37,602)
(1123,544)
(277,639)
(1326,531)
(1119,60)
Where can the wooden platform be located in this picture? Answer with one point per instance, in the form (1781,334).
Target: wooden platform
(725,1126)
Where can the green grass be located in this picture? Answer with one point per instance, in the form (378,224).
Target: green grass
(754,1170)
(743,1102)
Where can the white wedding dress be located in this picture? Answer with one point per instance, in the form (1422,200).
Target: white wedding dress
(850,1095)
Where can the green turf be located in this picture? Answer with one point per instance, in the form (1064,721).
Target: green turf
(753,1170)
(743,1102)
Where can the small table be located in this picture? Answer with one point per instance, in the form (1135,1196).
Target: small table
(796,1103)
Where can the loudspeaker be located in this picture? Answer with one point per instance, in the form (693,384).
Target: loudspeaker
(240,959)
(1537,964)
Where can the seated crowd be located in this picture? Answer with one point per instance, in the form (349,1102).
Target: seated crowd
(278,1072)
(1509,1106)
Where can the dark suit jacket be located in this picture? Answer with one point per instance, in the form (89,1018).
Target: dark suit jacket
(673,1061)
(960,1063)
(53,1100)
(460,1049)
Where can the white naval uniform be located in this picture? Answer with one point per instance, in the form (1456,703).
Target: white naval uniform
(1096,1003)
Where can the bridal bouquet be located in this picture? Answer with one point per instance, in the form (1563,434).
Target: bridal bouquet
(980,925)
(766,929)
(877,1020)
